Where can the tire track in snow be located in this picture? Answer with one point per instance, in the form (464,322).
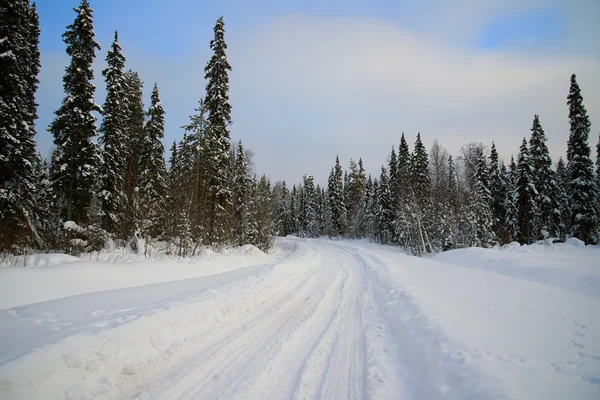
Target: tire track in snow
(211,370)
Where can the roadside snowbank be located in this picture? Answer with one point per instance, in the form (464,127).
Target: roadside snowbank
(566,266)
(54,276)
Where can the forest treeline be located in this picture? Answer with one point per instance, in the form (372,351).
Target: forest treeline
(111,186)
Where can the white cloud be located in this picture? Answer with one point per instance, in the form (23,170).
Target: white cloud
(305,89)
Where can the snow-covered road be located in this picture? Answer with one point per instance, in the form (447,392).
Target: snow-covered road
(325,319)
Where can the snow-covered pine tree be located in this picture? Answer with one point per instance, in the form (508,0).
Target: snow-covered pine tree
(394,190)
(365,218)
(46,220)
(481,198)
(525,198)
(19,63)
(373,211)
(152,179)
(582,189)
(294,205)
(284,213)
(357,181)
(498,193)
(545,183)
(241,199)
(438,173)
(336,199)
(402,217)
(385,215)
(449,225)
(562,179)
(75,124)
(215,153)
(511,220)
(421,188)
(134,132)
(264,216)
(113,140)
(310,224)
(326,218)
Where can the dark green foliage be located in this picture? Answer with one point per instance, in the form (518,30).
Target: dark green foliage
(113,139)
(152,171)
(75,124)
(582,189)
(545,183)
(525,198)
(336,199)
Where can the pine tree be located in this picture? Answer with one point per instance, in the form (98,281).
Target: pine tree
(264,215)
(310,225)
(357,181)
(449,222)
(405,195)
(511,220)
(562,180)
(134,133)
(336,199)
(19,63)
(481,199)
(421,189)
(112,169)
(241,199)
(284,214)
(384,215)
(216,153)
(152,170)
(526,196)
(294,206)
(583,193)
(75,126)
(498,193)
(545,183)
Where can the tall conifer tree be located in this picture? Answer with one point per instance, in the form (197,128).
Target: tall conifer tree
(75,124)
(216,150)
(112,169)
(582,190)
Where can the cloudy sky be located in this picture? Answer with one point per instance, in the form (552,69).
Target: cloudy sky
(319,78)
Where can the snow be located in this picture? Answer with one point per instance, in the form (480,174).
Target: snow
(314,319)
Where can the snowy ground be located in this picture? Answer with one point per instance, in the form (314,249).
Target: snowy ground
(317,319)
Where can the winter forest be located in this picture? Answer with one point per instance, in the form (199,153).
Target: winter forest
(108,183)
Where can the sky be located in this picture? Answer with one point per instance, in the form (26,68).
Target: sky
(317,79)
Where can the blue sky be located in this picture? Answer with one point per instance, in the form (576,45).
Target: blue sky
(347,77)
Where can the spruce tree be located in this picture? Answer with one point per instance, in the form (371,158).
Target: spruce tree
(481,199)
(241,197)
(310,225)
(511,220)
(75,124)
(498,193)
(152,180)
(525,198)
(449,222)
(336,199)
(421,190)
(582,189)
(112,169)
(545,183)
(284,214)
(264,216)
(19,63)
(384,215)
(403,213)
(134,132)
(294,205)
(217,145)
